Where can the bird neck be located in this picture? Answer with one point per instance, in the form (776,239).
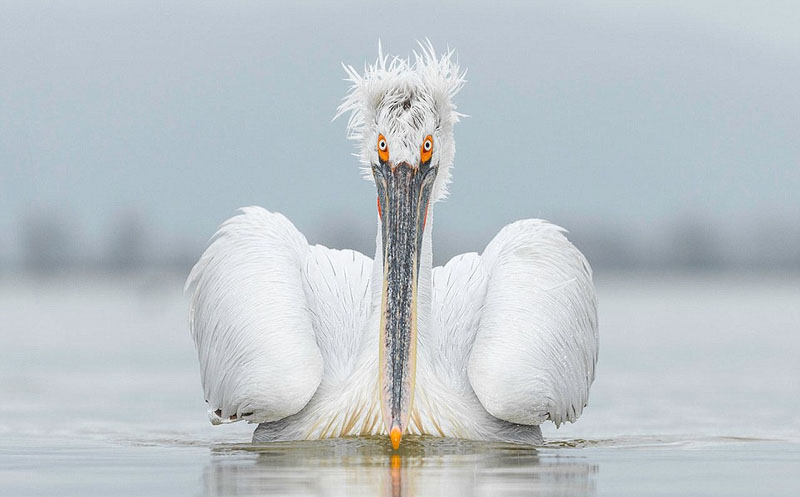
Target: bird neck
(425,288)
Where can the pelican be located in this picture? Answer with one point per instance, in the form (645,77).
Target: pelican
(311,342)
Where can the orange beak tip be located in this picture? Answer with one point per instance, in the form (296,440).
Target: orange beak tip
(395,435)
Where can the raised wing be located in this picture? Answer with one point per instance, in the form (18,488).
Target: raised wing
(251,321)
(536,346)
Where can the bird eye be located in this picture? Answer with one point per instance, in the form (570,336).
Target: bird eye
(426,150)
(383,149)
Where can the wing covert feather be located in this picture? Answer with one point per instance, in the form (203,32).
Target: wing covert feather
(259,360)
(536,347)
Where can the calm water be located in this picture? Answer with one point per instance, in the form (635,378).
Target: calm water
(697,393)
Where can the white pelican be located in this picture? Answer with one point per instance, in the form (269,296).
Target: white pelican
(313,342)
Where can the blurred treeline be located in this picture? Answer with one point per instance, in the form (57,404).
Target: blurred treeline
(48,244)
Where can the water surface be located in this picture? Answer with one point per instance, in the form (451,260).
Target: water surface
(697,393)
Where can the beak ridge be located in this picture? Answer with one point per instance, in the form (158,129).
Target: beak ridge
(403,196)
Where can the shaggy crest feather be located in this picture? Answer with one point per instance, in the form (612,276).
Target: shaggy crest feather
(405,100)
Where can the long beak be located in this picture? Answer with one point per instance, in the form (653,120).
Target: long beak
(403,194)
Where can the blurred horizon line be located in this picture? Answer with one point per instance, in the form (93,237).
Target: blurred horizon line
(45,245)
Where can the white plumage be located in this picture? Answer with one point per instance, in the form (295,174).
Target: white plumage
(289,335)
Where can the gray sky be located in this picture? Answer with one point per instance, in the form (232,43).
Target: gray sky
(620,117)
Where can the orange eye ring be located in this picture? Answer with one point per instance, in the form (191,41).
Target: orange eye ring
(426,149)
(383,149)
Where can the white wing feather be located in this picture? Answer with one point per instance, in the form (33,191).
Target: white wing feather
(250,321)
(536,346)
(337,284)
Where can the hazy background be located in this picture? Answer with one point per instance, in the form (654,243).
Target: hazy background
(665,137)
(661,136)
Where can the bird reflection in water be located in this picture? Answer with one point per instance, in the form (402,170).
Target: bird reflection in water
(396,488)
(423,466)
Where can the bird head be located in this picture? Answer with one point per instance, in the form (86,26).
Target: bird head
(400,103)
(402,117)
